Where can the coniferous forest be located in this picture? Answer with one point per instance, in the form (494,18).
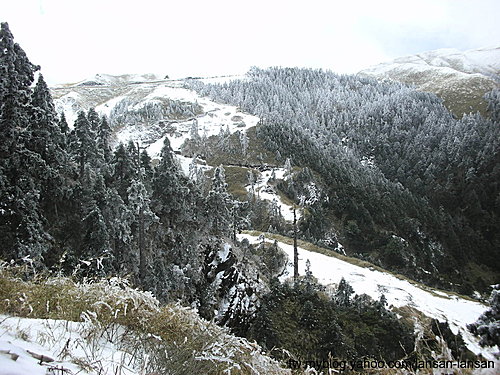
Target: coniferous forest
(396,178)
(408,186)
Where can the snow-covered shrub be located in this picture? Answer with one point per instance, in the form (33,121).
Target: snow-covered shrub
(488,325)
(168,339)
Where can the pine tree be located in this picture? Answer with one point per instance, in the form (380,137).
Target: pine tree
(21,219)
(139,204)
(493,98)
(103,138)
(83,143)
(16,77)
(145,165)
(244,143)
(343,294)
(487,326)
(63,124)
(45,138)
(169,192)
(219,203)
(43,126)
(123,171)
(94,120)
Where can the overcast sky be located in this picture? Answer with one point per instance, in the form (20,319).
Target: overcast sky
(73,39)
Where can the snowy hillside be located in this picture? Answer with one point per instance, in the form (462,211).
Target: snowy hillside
(484,61)
(460,78)
(147,109)
(106,327)
(113,95)
(458,312)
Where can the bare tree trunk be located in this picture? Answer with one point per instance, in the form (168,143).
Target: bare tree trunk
(295,250)
(142,248)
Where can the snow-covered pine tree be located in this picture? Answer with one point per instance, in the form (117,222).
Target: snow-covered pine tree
(16,77)
(94,120)
(103,137)
(119,220)
(168,190)
(21,220)
(219,203)
(144,218)
(493,98)
(83,143)
(343,294)
(487,326)
(63,124)
(244,141)
(124,170)
(45,138)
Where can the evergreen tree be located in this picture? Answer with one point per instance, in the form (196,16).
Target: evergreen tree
(145,166)
(493,98)
(63,124)
(46,139)
(45,134)
(103,138)
(94,120)
(343,293)
(177,204)
(170,195)
(16,77)
(219,203)
(139,204)
(21,219)
(124,170)
(487,326)
(83,143)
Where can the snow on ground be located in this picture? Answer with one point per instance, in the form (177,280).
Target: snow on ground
(215,118)
(62,344)
(70,105)
(106,108)
(447,61)
(458,312)
(264,190)
(224,79)
(111,90)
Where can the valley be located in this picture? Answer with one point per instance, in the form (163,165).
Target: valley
(153,225)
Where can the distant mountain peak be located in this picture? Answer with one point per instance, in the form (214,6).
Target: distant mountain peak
(113,80)
(460,78)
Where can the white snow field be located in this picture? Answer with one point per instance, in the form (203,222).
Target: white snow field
(458,312)
(46,347)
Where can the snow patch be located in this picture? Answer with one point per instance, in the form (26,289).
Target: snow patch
(45,346)
(458,312)
(264,190)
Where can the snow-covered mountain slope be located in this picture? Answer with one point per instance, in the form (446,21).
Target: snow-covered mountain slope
(147,108)
(459,78)
(457,311)
(107,327)
(133,103)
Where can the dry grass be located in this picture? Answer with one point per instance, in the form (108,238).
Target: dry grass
(167,339)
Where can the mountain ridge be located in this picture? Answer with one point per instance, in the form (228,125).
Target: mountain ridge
(460,78)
